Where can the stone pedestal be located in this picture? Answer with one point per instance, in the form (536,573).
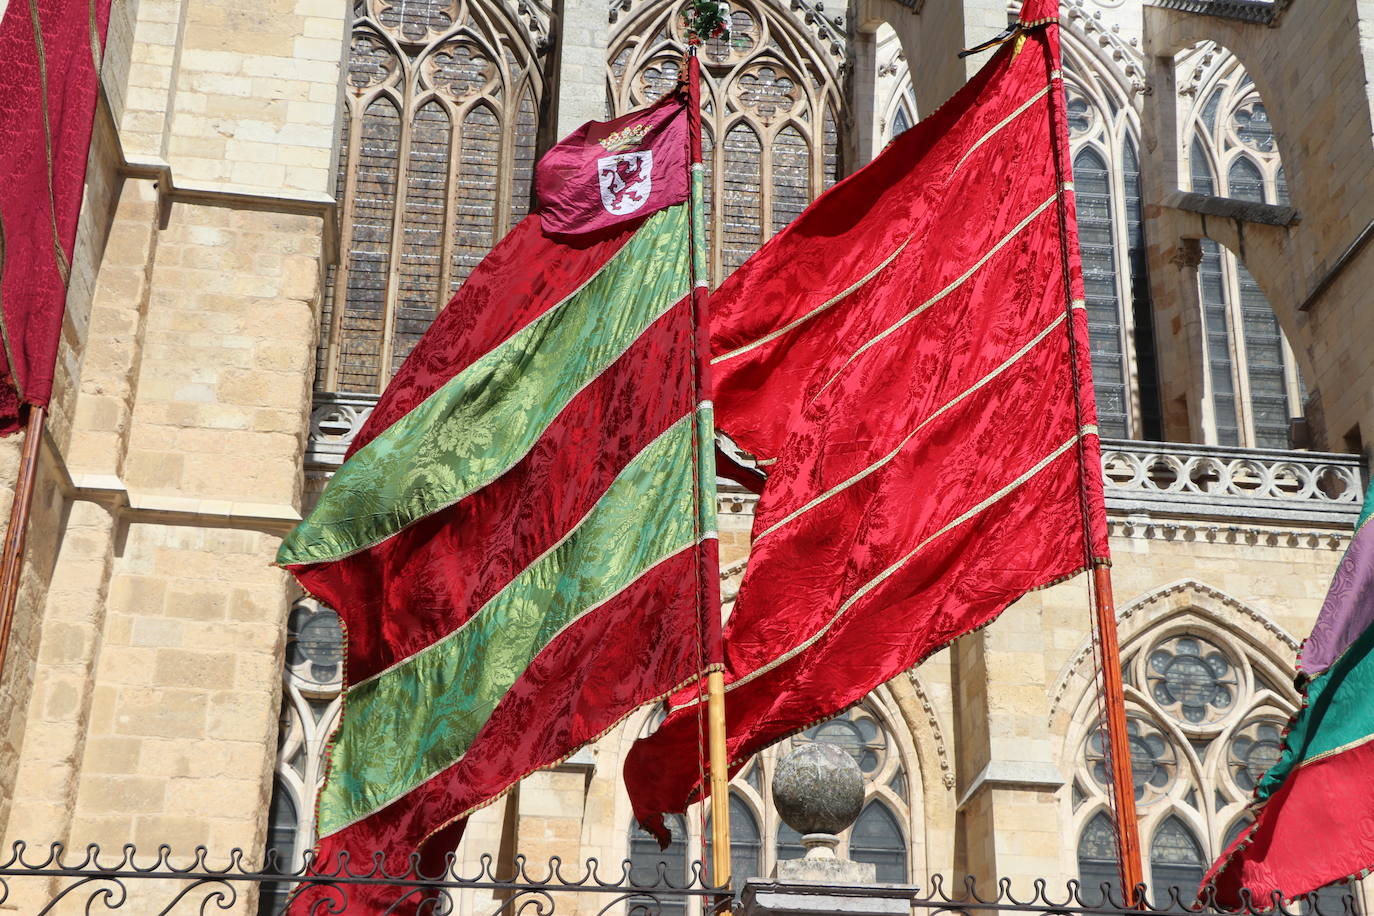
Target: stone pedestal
(816,898)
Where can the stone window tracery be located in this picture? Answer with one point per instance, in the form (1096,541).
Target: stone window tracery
(880,835)
(436,163)
(771,103)
(1252,377)
(1104,129)
(311,702)
(1204,720)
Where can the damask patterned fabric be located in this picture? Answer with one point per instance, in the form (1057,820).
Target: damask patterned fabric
(1314,808)
(912,356)
(51,51)
(521,541)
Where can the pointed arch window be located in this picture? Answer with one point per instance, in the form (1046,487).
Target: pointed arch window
(1253,383)
(1205,710)
(1098,864)
(1103,126)
(311,702)
(771,101)
(876,838)
(1175,860)
(759,839)
(436,160)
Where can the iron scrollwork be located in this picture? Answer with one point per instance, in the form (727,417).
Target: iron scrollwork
(92,881)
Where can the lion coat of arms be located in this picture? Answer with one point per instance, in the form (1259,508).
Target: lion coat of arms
(625,181)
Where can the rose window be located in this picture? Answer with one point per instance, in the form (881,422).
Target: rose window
(315,643)
(370,62)
(1191,680)
(414,20)
(768,92)
(856,733)
(1252,126)
(658,80)
(741,38)
(1153,761)
(461,70)
(1080,115)
(1255,749)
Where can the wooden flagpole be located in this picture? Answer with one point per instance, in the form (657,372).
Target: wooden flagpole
(1113,694)
(12,556)
(1118,740)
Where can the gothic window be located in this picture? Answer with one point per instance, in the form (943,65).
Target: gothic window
(770,105)
(876,838)
(436,159)
(1103,127)
(1251,374)
(758,837)
(895,96)
(1175,860)
(313,682)
(1204,716)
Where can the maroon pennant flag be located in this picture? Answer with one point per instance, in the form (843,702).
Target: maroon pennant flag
(607,172)
(49,51)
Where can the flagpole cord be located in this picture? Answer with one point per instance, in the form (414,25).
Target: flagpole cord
(1111,693)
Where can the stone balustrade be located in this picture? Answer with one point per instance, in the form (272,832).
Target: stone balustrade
(1155,478)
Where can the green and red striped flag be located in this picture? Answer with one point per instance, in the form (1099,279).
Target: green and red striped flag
(1314,808)
(521,542)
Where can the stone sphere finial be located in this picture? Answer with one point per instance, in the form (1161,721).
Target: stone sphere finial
(818,789)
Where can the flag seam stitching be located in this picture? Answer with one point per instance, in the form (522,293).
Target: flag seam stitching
(773,335)
(938,297)
(667,555)
(885,574)
(1008,363)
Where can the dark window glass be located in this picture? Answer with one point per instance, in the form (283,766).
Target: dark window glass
(1096,242)
(1142,311)
(877,838)
(1245,181)
(646,861)
(281,840)
(746,844)
(1264,364)
(1175,861)
(1097,861)
(1217,323)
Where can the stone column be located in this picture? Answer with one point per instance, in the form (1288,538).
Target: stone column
(580,35)
(1008,816)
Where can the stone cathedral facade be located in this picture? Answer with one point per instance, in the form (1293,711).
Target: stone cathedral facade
(281,196)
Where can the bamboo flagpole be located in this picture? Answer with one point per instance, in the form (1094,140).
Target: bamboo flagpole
(12,556)
(705,21)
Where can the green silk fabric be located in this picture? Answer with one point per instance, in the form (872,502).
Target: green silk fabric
(412,721)
(486,418)
(1338,714)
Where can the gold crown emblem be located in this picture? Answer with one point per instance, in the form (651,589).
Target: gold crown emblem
(629,138)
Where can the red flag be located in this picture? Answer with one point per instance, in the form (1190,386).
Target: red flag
(50,50)
(906,358)
(521,541)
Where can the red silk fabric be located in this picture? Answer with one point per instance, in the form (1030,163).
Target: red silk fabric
(49,73)
(421,584)
(903,350)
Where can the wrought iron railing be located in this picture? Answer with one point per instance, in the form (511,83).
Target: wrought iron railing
(51,880)
(1159,478)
